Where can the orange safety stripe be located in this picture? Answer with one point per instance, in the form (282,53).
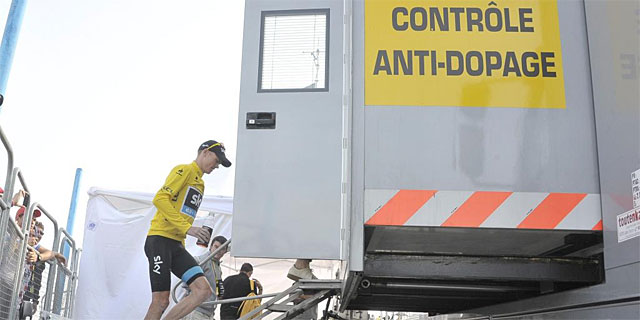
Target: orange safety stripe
(554,208)
(474,211)
(598,226)
(401,207)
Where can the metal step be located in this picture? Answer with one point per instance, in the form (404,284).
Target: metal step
(306,305)
(318,290)
(280,307)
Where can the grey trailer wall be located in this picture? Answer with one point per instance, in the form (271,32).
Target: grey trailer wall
(614,40)
(484,148)
(460,150)
(287,199)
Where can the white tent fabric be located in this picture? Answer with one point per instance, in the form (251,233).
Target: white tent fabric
(113,277)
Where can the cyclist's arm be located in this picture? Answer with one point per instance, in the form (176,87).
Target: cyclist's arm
(175,182)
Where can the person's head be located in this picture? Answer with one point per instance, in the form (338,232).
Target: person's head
(33,235)
(247,268)
(40,228)
(36,232)
(211,155)
(20,215)
(217,243)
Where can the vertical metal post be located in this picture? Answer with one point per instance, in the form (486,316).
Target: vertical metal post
(72,208)
(6,197)
(74,280)
(345,196)
(62,278)
(23,232)
(48,296)
(9,41)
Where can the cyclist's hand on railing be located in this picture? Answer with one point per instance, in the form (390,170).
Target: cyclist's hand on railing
(200,233)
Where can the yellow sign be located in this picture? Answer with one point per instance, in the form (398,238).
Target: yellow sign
(472,53)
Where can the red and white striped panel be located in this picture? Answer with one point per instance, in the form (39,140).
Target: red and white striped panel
(483,209)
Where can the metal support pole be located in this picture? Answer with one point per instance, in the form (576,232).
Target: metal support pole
(240,299)
(9,41)
(72,208)
(69,274)
(62,276)
(6,197)
(48,296)
(23,233)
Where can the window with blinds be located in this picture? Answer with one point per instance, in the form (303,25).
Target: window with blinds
(293,51)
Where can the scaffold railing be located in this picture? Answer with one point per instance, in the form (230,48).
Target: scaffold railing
(40,289)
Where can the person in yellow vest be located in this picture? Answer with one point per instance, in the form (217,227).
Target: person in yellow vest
(177,204)
(236,286)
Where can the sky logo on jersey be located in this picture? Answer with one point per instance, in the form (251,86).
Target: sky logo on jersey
(192,201)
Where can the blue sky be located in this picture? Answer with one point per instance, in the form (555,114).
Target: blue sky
(124,90)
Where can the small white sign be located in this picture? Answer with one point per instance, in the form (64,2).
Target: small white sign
(628,225)
(635,188)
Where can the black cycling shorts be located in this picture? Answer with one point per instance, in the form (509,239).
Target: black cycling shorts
(168,256)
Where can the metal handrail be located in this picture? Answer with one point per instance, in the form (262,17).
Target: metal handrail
(293,291)
(292,296)
(232,300)
(62,267)
(4,215)
(13,175)
(69,240)
(76,266)
(201,264)
(15,225)
(8,193)
(7,147)
(56,237)
(19,271)
(17,173)
(25,230)
(72,262)
(52,267)
(74,257)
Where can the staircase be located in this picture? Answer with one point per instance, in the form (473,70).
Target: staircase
(314,292)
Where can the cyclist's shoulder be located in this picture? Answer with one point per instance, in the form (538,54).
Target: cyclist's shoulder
(184,169)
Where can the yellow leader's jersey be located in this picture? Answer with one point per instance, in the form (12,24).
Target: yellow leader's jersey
(178,202)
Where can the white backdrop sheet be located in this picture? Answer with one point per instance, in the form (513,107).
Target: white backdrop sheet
(113,277)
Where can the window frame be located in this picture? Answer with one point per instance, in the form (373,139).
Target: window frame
(269,13)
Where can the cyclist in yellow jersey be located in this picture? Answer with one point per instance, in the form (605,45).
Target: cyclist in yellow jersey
(177,204)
